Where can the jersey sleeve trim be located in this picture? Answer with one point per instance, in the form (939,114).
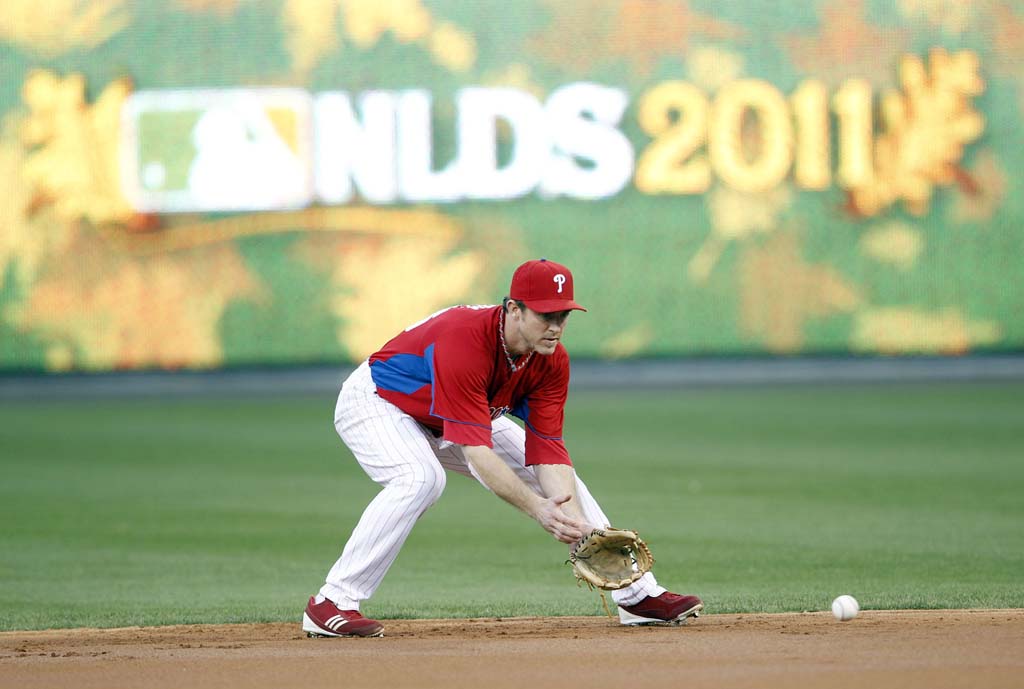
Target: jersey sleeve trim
(464,423)
(522,411)
(541,435)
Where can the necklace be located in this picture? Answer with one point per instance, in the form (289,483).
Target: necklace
(504,347)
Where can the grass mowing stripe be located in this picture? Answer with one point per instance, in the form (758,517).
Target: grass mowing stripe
(117,512)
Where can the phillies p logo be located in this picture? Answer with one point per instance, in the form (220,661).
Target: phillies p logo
(560,279)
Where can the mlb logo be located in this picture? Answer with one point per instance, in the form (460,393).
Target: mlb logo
(217,150)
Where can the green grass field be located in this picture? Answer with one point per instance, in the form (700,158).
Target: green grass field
(123,512)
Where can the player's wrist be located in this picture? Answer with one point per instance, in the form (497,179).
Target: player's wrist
(535,507)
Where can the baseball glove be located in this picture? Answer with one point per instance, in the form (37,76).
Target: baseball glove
(610,558)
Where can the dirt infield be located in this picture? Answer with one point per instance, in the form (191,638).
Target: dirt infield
(926,649)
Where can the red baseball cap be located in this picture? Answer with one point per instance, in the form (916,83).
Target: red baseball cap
(544,286)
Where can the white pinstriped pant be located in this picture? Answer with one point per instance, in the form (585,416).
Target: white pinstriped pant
(409,463)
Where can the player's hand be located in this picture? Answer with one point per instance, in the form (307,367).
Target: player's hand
(556,522)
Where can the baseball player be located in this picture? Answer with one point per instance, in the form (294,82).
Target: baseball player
(435,399)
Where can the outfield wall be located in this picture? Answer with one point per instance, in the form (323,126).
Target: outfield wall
(208,183)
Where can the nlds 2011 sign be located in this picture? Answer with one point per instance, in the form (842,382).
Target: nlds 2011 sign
(263,149)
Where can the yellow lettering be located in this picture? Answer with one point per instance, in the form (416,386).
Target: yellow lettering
(771,160)
(811,169)
(676,114)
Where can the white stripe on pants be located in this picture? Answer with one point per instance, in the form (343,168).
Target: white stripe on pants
(409,463)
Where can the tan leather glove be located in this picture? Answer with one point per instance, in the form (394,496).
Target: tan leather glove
(610,558)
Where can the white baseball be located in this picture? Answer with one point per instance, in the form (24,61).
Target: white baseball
(845,608)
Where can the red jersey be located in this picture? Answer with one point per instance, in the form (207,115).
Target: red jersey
(449,372)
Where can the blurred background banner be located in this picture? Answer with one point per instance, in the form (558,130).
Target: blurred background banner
(211,183)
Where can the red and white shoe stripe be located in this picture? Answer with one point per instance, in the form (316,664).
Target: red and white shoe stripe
(335,623)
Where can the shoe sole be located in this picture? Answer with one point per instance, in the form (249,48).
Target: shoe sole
(631,620)
(315,631)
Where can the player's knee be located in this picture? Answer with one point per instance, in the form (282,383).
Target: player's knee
(434,483)
(425,487)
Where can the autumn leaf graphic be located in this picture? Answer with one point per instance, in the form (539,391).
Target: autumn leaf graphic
(847,45)
(116,311)
(910,330)
(315,28)
(927,125)
(736,216)
(954,16)
(982,201)
(27,239)
(586,33)
(53,27)
(390,270)
(311,31)
(644,30)
(73,162)
(894,243)
(780,292)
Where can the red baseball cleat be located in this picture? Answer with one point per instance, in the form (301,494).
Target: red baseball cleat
(668,608)
(326,619)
